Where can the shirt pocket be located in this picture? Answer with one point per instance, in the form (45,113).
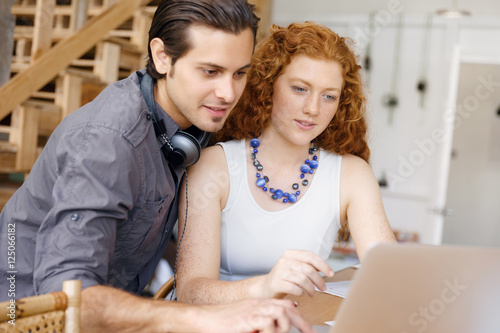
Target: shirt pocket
(142,231)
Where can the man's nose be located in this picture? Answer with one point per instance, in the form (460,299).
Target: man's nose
(225,90)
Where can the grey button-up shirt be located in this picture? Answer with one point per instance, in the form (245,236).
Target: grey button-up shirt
(99,204)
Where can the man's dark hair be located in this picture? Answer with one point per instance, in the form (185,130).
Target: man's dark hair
(173,18)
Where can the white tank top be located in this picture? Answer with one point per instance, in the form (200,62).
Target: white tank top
(253,239)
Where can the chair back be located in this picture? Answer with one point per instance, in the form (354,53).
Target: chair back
(53,312)
(164,289)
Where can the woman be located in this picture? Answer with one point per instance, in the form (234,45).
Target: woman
(265,206)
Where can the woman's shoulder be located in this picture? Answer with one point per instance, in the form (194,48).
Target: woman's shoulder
(350,158)
(211,156)
(211,169)
(354,165)
(214,157)
(232,144)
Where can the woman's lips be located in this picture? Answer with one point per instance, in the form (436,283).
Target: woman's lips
(305,125)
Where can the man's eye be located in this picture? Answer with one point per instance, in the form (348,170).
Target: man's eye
(210,72)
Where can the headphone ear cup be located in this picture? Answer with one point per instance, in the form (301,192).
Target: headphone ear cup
(201,136)
(175,157)
(204,139)
(185,145)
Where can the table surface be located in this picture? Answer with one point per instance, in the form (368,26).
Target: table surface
(322,307)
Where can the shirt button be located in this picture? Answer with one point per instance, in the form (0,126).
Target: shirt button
(148,116)
(74,217)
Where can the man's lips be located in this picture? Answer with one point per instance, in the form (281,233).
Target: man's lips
(217,111)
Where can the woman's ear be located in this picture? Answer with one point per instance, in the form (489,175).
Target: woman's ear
(161,59)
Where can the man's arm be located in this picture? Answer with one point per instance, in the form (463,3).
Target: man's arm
(106,309)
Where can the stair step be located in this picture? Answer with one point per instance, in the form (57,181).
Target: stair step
(26,32)
(7,148)
(7,189)
(49,118)
(7,157)
(44,94)
(8,154)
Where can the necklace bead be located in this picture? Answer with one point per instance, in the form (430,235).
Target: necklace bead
(255,143)
(309,166)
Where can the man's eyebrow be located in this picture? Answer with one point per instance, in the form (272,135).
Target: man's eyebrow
(209,64)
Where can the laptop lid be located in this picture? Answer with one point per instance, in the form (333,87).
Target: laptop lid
(422,288)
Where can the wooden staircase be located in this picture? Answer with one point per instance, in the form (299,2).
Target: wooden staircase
(65,53)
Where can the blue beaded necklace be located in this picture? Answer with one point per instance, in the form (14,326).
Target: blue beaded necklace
(307,168)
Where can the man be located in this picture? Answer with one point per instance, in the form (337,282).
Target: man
(101,201)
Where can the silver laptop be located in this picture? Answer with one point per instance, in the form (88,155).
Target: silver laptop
(423,289)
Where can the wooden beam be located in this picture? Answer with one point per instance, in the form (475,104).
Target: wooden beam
(142,22)
(28,137)
(19,57)
(107,62)
(44,20)
(69,92)
(78,16)
(23,84)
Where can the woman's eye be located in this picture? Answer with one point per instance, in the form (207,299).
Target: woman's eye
(331,97)
(298,89)
(240,74)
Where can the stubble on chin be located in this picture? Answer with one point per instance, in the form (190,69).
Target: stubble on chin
(217,119)
(215,125)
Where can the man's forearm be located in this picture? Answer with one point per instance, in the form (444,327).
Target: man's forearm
(106,309)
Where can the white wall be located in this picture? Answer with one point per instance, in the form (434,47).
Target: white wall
(408,150)
(474,189)
(478,8)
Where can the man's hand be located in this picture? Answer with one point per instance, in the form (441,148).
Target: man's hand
(256,315)
(106,309)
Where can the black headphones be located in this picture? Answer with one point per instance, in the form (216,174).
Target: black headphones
(184,148)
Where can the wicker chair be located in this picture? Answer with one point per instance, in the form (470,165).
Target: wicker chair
(165,289)
(57,312)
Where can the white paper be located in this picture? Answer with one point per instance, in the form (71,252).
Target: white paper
(339,289)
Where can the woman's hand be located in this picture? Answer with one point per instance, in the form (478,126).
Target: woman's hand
(295,272)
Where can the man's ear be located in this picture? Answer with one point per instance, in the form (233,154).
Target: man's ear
(161,59)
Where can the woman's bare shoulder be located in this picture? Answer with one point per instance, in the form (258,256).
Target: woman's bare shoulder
(212,157)
(352,164)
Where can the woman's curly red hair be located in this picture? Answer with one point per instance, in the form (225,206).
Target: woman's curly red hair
(346,133)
